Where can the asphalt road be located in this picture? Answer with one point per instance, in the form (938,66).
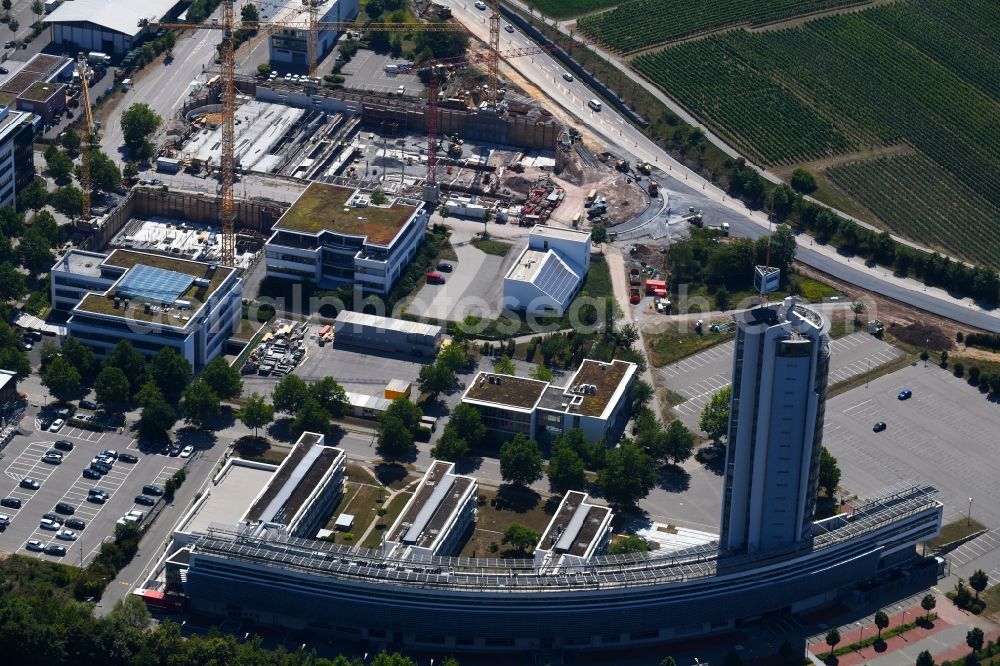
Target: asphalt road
(682,183)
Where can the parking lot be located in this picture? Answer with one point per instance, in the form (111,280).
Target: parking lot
(22,458)
(474,287)
(366,71)
(698,377)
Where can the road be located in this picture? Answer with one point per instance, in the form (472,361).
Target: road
(681,182)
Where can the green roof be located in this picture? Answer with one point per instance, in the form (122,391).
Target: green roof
(322,208)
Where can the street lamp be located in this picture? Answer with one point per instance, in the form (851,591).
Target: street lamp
(968,517)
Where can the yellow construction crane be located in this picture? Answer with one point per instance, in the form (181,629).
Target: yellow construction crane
(88,131)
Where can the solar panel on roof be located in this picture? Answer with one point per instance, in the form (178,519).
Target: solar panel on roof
(153,285)
(556,280)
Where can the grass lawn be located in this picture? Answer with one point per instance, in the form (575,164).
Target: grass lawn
(863,378)
(992,599)
(955,530)
(494,247)
(492,521)
(671,345)
(359,500)
(393,509)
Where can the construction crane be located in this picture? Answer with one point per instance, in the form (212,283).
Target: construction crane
(88,132)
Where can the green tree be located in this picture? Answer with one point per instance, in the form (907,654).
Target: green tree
(454,357)
(715,417)
(6,5)
(222,378)
(630,543)
(378,197)
(79,355)
(104,174)
(974,639)
(925,659)
(131,171)
(139,122)
(67,200)
(978,581)
(13,25)
(642,393)
(11,283)
(60,378)
(521,538)
(881,622)
(435,378)
(541,373)
(829,472)
(520,461)
(406,412)
(331,396)
(832,638)
(928,603)
(451,446)
(803,181)
(12,357)
(256,412)
(36,252)
(442,44)
(130,362)
(395,440)
(71,140)
(311,417)
(112,387)
(34,196)
(263,69)
(504,366)
(37,8)
(857,307)
(467,423)
(171,372)
(599,234)
(566,468)
(58,164)
(374,9)
(679,443)
(156,419)
(249,14)
(628,475)
(47,226)
(289,394)
(199,402)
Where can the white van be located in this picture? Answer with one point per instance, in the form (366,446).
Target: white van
(594,104)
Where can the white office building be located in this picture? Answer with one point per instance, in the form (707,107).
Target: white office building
(578,531)
(17,132)
(549,272)
(334,236)
(151,300)
(780,366)
(289,48)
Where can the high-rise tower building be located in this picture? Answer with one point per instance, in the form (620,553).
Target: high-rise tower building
(780,367)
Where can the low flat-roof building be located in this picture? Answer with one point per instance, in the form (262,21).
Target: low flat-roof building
(437,517)
(334,236)
(578,531)
(358,329)
(8,386)
(596,399)
(549,272)
(109,27)
(45,99)
(303,491)
(152,300)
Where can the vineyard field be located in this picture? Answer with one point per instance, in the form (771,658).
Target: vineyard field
(638,24)
(919,200)
(565,8)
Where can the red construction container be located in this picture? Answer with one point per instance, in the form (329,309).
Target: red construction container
(652,286)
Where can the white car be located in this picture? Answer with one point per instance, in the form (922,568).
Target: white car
(35,545)
(67,535)
(187,451)
(57,425)
(49,524)
(4,520)
(480,5)
(509,28)
(568,76)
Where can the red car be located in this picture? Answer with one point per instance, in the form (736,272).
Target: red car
(634,297)
(435,278)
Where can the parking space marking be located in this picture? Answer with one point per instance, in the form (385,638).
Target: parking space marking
(975,549)
(85,435)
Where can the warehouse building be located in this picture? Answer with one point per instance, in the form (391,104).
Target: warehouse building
(357,329)
(578,531)
(153,301)
(289,48)
(437,518)
(549,272)
(335,236)
(303,491)
(597,400)
(108,27)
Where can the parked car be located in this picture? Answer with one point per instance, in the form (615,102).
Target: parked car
(127,458)
(879,426)
(509,28)
(30,484)
(65,508)
(63,445)
(75,523)
(88,404)
(47,524)
(9,44)
(4,520)
(187,451)
(54,517)
(11,502)
(110,453)
(435,278)
(445,267)
(480,4)
(52,458)
(905,394)
(91,473)
(35,545)
(175,450)
(67,535)
(145,499)
(568,76)
(152,489)
(97,499)
(45,423)
(57,425)
(634,297)
(55,549)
